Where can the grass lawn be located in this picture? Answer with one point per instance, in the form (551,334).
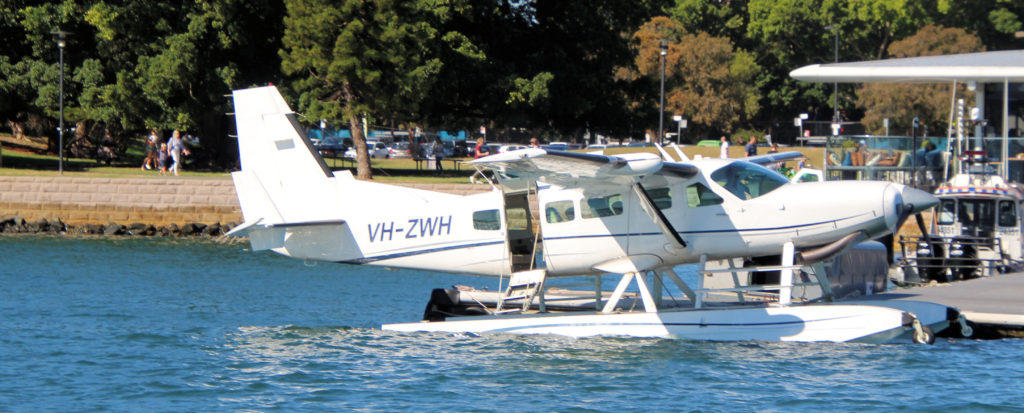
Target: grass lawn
(29,157)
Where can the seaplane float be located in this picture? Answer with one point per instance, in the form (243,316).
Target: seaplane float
(553,215)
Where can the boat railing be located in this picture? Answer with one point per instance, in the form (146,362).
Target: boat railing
(952,258)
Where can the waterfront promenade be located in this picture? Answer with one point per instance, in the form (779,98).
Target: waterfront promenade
(155,201)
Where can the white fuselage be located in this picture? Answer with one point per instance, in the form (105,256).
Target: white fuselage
(406,228)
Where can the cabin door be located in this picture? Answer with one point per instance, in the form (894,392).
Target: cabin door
(521,229)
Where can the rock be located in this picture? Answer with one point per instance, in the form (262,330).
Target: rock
(212,230)
(113,229)
(174,230)
(138,228)
(58,225)
(40,225)
(192,228)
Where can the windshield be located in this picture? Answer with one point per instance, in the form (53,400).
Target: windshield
(747,180)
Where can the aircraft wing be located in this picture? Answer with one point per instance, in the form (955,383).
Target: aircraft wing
(773,157)
(572,168)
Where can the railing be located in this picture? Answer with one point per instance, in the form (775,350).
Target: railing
(952,258)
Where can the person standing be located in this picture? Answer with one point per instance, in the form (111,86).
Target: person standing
(724,151)
(438,149)
(163,158)
(751,147)
(151,148)
(174,146)
(534,143)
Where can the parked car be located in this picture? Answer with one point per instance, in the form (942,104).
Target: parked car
(330,146)
(401,150)
(375,149)
(462,149)
(510,147)
(556,146)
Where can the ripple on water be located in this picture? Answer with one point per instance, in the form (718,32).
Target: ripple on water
(187,326)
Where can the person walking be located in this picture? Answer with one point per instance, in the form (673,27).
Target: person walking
(751,147)
(724,151)
(174,146)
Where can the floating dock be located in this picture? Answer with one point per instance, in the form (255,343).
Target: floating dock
(994,306)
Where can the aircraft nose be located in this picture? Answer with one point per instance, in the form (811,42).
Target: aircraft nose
(916,200)
(902,202)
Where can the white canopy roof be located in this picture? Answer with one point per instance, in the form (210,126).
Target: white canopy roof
(982,67)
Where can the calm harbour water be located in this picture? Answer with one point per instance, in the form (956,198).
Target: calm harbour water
(172,325)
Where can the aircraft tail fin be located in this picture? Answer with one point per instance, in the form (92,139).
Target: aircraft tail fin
(283,181)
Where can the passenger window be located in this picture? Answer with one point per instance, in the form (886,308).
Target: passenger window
(661,196)
(947,212)
(488,220)
(603,207)
(1007,214)
(559,211)
(698,195)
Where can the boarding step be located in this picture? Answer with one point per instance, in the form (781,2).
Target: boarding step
(523,285)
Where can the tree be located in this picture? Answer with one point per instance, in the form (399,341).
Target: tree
(902,102)
(788,34)
(355,58)
(707,80)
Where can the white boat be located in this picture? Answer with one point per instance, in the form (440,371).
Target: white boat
(976,231)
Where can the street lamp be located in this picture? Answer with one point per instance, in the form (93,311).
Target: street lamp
(835,85)
(61,42)
(661,109)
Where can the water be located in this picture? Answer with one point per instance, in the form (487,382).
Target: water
(172,325)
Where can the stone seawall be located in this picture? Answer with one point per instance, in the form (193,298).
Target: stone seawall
(157,201)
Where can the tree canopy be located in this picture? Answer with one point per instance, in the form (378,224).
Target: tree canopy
(557,68)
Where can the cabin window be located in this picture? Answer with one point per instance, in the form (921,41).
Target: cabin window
(488,220)
(559,211)
(747,180)
(947,212)
(1007,214)
(698,195)
(607,206)
(661,196)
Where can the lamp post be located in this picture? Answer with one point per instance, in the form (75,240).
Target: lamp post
(661,108)
(61,42)
(835,85)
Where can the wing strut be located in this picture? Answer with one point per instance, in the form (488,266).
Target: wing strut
(652,210)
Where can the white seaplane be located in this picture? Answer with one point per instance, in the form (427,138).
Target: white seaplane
(633,215)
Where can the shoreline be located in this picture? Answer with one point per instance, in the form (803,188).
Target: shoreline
(133,206)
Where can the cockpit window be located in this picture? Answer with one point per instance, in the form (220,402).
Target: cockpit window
(747,180)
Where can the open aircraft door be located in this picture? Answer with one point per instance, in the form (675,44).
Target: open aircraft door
(522,232)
